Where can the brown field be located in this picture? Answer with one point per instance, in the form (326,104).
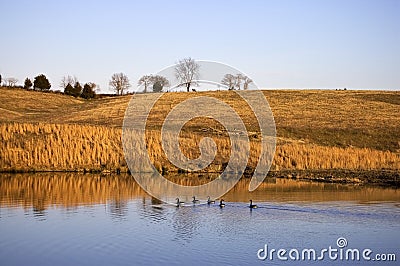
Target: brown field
(357,130)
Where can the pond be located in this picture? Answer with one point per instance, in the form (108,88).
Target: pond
(76,219)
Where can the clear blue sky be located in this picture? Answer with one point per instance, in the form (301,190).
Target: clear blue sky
(292,44)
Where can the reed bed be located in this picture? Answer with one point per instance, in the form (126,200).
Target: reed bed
(311,156)
(63,147)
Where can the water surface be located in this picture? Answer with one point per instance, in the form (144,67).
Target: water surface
(73,219)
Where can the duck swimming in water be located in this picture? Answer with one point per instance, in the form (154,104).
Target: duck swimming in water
(209,201)
(195,200)
(179,203)
(252,206)
(221,203)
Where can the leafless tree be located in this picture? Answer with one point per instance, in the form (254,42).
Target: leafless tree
(146,81)
(68,80)
(11,81)
(235,81)
(186,71)
(229,80)
(238,83)
(246,82)
(119,82)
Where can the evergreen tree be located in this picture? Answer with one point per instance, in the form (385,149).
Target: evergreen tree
(157,87)
(41,83)
(27,84)
(88,91)
(77,89)
(159,82)
(69,90)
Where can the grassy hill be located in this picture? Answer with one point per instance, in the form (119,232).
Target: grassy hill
(364,119)
(315,129)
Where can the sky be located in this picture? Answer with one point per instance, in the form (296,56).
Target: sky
(279,44)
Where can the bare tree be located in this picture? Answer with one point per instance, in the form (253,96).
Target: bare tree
(68,80)
(239,78)
(229,80)
(246,82)
(11,81)
(145,80)
(186,71)
(119,82)
(235,81)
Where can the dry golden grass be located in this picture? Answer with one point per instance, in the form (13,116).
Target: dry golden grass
(59,147)
(315,130)
(364,119)
(77,147)
(23,106)
(312,156)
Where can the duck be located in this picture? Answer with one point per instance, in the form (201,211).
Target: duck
(209,201)
(195,200)
(252,206)
(221,203)
(179,203)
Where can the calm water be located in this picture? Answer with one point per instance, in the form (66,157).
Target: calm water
(70,219)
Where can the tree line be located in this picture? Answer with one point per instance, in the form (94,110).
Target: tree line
(74,88)
(187,72)
(40,82)
(236,81)
(70,85)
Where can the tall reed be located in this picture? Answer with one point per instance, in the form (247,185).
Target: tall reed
(63,147)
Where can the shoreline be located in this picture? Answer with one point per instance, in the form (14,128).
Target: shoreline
(383,178)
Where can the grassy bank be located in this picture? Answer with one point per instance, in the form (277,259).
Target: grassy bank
(64,147)
(356,130)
